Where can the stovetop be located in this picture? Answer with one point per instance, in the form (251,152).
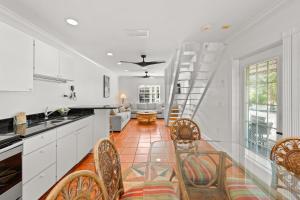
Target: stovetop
(8,139)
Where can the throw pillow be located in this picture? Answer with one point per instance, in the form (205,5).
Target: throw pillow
(122,109)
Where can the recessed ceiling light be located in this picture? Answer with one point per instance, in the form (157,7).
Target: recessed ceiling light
(119,63)
(109,54)
(226,26)
(72,22)
(126,70)
(206,27)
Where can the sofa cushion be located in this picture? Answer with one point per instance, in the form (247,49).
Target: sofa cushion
(141,106)
(151,106)
(133,106)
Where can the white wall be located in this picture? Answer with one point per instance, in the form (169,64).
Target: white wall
(88,82)
(129,86)
(218,113)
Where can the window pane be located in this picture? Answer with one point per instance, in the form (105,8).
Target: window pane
(262,95)
(272,92)
(262,72)
(252,95)
(272,76)
(251,74)
(272,116)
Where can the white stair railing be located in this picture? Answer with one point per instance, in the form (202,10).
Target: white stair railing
(193,71)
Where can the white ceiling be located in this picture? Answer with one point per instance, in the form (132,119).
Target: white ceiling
(103,24)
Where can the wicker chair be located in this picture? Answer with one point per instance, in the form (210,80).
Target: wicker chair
(286,153)
(185,130)
(82,184)
(108,168)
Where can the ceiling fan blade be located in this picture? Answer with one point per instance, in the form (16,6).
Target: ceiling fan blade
(154,62)
(128,62)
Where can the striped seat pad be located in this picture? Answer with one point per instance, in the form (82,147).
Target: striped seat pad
(199,170)
(160,190)
(244,189)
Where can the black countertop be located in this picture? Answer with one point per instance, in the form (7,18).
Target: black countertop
(27,131)
(96,107)
(37,124)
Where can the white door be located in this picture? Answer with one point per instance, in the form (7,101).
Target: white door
(66,154)
(46,59)
(16,60)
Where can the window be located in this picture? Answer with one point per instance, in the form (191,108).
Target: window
(261,103)
(149,93)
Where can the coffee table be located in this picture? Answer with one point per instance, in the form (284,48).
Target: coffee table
(146,116)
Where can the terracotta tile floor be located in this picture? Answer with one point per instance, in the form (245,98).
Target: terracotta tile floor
(133,144)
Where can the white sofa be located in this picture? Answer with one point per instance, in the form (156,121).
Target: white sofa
(139,107)
(119,120)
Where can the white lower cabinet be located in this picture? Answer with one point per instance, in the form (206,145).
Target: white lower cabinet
(84,141)
(40,184)
(50,155)
(66,154)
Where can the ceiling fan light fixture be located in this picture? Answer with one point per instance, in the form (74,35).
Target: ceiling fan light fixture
(206,28)
(119,63)
(226,26)
(72,22)
(109,54)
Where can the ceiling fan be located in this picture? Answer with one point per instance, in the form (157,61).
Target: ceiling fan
(144,63)
(145,76)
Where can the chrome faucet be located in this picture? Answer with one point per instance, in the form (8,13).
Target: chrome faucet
(47,114)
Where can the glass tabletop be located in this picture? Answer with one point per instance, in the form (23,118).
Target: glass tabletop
(219,170)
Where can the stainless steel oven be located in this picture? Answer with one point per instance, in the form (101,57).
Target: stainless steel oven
(11,172)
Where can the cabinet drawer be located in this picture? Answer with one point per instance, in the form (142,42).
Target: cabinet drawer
(67,129)
(33,143)
(40,184)
(38,160)
(72,127)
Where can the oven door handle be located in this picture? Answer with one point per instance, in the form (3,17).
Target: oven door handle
(11,150)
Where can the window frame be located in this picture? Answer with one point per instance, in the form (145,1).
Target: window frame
(257,85)
(152,90)
(259,57)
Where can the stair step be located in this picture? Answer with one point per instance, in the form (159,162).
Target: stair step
(187,99)
(190,87)
(173,118)
(189,93)
(190,71)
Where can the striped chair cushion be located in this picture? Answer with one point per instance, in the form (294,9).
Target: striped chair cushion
(244,189)
(198,170)
(160,190)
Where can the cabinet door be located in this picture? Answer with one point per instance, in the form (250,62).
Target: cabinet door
(46,59)
(16,60)
(66,154)
(84,141)
(66,66)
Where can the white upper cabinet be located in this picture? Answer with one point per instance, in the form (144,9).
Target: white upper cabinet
(65,65)
(46,59)
(16,60)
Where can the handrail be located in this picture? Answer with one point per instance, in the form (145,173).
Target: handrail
(173,84)
(218,63)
